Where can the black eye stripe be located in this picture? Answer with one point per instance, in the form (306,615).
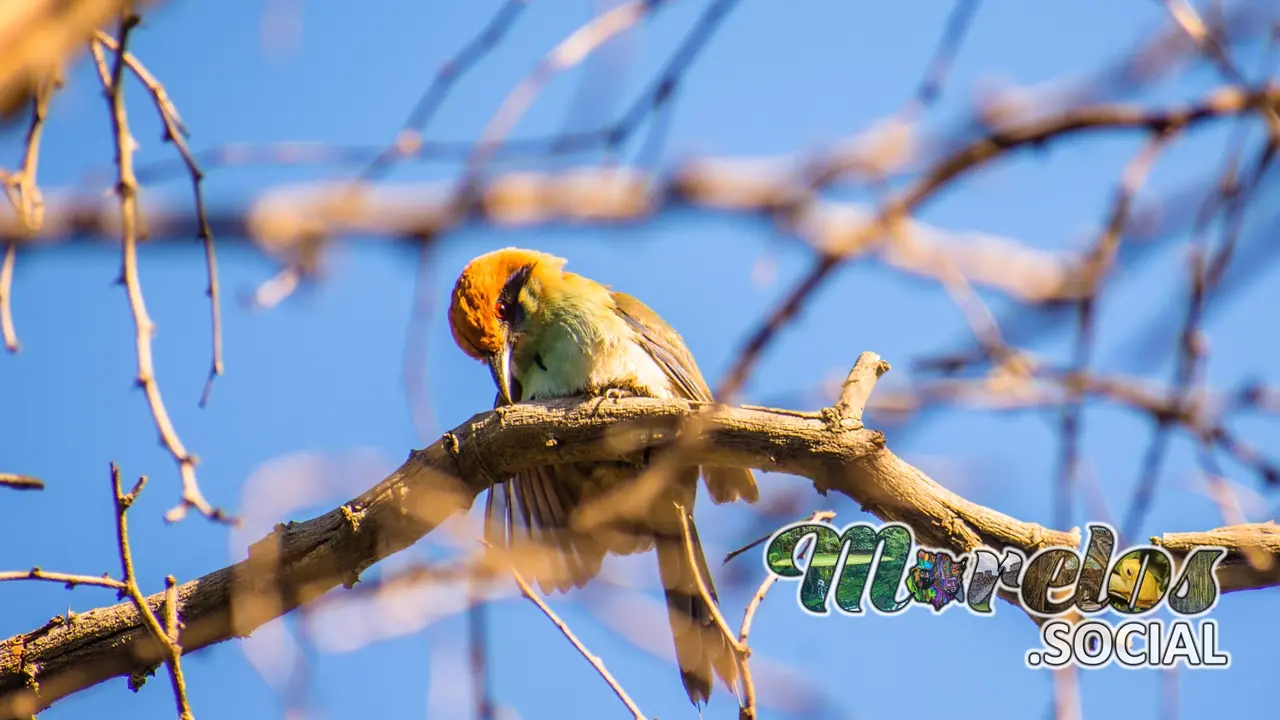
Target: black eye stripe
(511,289)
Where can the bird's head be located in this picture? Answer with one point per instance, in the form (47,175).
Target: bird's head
(493,299)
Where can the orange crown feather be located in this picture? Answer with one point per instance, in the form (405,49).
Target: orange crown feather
(472,315)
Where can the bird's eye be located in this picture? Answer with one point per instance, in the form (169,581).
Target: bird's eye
(500,310)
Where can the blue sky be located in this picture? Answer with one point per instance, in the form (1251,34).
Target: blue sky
(318,379)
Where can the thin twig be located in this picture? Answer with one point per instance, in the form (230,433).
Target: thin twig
(412,146)
(167,638)
(409,141)
(24,194)
(20,482)
(569,52)
(68,579)
(656,99)
(944,55)
(702,587)
(175,132)
(748,709)
(1228,502)
(735,553)
(591,657)
(1229,100)
(417,337)
(144,327)
(1099,263)
(1206,40)
(1206,274)
(7,331)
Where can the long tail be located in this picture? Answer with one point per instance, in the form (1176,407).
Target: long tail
(701,647)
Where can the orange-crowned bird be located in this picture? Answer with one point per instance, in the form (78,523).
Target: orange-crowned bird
(546,333)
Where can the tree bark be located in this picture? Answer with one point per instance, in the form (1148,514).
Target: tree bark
(299,562)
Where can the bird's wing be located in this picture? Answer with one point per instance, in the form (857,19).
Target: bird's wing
(667,348)
(530,514)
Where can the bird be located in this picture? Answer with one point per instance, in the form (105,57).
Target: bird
(547,333)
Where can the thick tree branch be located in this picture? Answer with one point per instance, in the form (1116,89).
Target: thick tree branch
(298,562)
(1255,565)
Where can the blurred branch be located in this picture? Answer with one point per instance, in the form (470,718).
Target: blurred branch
(20,482)
(1049,388)
(281,218)
(1005,138)
(300,562)
(1100,261)
(409,140)
(24,194)
(1160,56)
(1207,270)
(288,219)
(290,223)
(568,52)
(39,37)
(935,76)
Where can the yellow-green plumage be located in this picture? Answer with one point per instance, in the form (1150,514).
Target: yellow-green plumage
(570,336)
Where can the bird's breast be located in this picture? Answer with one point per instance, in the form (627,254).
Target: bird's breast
(568,369)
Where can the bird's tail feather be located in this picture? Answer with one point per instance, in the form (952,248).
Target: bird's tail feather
(531,515)
(729,484)
(701,647)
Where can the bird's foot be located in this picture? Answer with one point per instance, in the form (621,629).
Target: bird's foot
(612,394)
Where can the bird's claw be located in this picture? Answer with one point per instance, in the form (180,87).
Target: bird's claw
(611,394)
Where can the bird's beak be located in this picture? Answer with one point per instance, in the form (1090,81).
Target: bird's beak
(500,366)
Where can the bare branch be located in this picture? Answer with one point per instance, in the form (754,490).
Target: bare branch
(68,579)
(1099,262)
(1237,569)
(20,482)
(857,388)
(1230,100)
(299,562)
(166,633)
(175,132)
(748,710)
(563,627)
(144,327)
(716,615)
(409,141)
(24,194)
(39,37)
(569,52)
(7,332)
